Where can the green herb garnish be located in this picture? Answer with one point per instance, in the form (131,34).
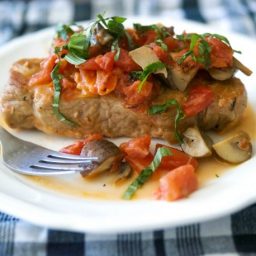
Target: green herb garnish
(151,68)
(78,47)
(157,109)
(161,43)
(56,79)
(115,47)
(204,48)
(161,31)
(113,24)
(64,31)
(146,173)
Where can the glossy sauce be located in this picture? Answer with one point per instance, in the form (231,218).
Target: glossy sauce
(105,187)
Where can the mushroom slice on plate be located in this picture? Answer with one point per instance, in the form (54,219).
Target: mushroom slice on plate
(195,143)
(235,149)
(180,78)
(222,74)
(108,154)
(145,56)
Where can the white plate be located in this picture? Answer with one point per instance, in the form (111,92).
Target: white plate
(234,190)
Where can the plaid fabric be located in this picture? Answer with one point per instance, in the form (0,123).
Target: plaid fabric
(231,235)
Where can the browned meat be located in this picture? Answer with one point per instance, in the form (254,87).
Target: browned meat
(30,107)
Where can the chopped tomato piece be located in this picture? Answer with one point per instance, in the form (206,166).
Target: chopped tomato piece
(75,149)
(199,98)
(90,65)
(161,54)
(176,159)
(125,62)
(171,43)
(138,147)
(67,84)
(96,82)
(44,76)
(148,37)
(177,183)
(106,82)
(221,54)
(137,152)
(133,97)
(106,61)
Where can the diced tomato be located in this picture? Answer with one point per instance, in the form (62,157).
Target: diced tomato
(67,84)
(171,43)
(106,82)
(95,50)
(106,61)
(75,149)
(221,54)
(148,37)
(90,65)
(176,159)
(199,98)
(161,54)
(138,164)
(125,62)
(137,152)
(96,82)
(138,147)
(133,97)
(177,183)
(44,76)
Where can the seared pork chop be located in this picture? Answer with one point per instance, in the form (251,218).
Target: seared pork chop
(27,107)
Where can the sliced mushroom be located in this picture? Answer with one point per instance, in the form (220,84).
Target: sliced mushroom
(100,36)
(108,154)
(180,78)
(235,149)
(241,67)
(145,56)
(179,75)
(195,143)
(124,173)
(222,73)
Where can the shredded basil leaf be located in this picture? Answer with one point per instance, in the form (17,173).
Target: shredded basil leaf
(151,68)
(161,43)
(78,47)
(130,41)
(113,24)
(157,109)
(143,28)
(146,173)
(203,47)
(115,47)
(160,30)
(64,31)
(56,79)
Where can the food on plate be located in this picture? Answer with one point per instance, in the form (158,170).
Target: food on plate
(235,149)
(195,143)
(108,81)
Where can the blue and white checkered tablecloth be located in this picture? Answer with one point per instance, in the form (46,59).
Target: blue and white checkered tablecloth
(231,235)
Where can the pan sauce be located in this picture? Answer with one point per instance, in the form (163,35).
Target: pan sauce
(104,187)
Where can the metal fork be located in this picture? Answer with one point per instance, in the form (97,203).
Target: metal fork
(27,158)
